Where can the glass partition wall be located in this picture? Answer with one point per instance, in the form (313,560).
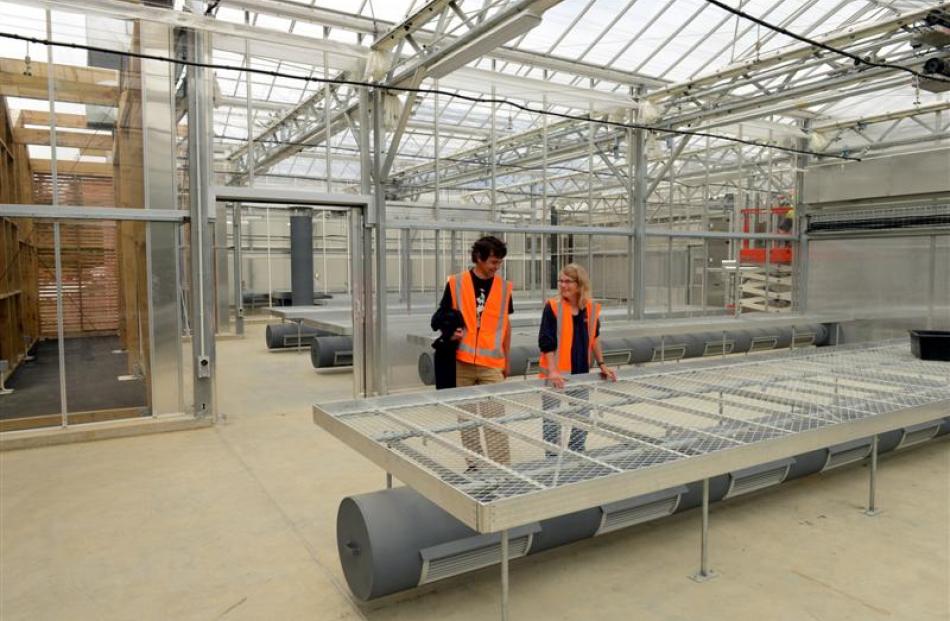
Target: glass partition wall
(96,316)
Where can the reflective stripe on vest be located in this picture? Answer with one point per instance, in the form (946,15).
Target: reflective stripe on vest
(483,339)
(565,335)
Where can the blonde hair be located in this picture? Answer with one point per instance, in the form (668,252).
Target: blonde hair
(579,275)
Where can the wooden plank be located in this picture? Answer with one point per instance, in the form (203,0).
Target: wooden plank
(65,167)
(32,87)
(75,418)
(69,73)
(77,140)
(39,117)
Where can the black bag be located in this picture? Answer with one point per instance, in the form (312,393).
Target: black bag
(446,321)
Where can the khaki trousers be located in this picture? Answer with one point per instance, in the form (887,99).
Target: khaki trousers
(496,442)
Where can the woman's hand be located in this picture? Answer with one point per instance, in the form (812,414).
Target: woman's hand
(556,380)
(607,373)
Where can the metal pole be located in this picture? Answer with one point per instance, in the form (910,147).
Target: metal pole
(270,272)
(872,483)
(639,227)
(238,272)
(932,285)
(544,196)
(493,138)
(379,358)
(57,250)
(705,226)
(58,256)
(200,176)
(704,573)
(504,575)
(249,110)
(439,268)
(323,236)
(800,295)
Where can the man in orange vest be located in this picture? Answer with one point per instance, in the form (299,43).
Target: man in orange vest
(484,300)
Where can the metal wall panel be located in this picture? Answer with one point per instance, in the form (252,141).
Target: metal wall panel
(161,238)
(881,280)
(900,175)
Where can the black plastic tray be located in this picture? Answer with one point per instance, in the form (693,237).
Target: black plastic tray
(930,344)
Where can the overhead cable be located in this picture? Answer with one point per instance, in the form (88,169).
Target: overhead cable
(423,91)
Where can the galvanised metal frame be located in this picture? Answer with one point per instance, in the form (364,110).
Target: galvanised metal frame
(652,430)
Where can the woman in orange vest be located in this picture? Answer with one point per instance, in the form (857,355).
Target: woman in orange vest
(569,343)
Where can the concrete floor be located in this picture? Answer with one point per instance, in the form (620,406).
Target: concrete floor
(237,522)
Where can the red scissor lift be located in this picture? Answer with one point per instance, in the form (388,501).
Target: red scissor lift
(769,287)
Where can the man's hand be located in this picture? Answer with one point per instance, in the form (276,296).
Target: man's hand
(506,372)
(459,334)
(556,380)
(607,373)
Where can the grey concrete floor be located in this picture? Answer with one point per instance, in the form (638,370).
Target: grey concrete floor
(237,522)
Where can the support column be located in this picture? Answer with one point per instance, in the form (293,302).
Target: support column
(704,572)
(872,509)
(380,285)
(222,284)
(639,206)
(200,175)
(361,269)
(301,257)
(800,290)
(504,575)
(238,272)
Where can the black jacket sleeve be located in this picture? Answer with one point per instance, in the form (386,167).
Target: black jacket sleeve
(446,302)
(547,336)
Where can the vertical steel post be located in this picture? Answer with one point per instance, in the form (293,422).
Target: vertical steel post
(200,176)
(380,359)
(57,245)
(238,271)
(439,267)
(704,573)
(249,107)
(932,283)
(545,251)
(872,509)
(58,259)
(639,225)
(361,248)
(799,226)
(504,575)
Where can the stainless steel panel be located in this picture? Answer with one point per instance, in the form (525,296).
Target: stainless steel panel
(165,324)
(882,281)
(162,239)
(898,175)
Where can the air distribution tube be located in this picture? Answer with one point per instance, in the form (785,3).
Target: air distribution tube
(638,350)
(395,539)
(285,335)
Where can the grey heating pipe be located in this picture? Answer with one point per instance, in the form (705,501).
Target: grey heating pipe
(637,350)
(395,539)
(285,335)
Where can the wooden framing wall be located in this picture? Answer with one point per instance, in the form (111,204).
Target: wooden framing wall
(19,317)
(128,162)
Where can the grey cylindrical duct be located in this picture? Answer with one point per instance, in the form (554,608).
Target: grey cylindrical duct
(375,531)
(638,350)
(331,351)
(301,259)
(393,539)
(282,335)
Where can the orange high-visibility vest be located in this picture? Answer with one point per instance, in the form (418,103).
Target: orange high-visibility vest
(565,335)
(482,343)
